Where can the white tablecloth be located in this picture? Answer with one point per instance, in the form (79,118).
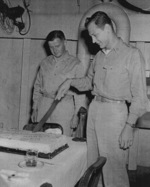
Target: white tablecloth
(65,171)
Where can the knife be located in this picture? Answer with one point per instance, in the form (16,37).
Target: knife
(46,116)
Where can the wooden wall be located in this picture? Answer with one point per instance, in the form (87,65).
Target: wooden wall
(10,79)
(20,55)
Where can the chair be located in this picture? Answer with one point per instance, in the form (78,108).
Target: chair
(45,127)
(140,150)
(52,126)
(143,122)
(92,174)
(46,185)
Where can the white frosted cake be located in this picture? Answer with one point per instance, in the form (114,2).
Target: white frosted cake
(23,140)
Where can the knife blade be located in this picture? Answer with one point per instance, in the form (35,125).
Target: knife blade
(46,116)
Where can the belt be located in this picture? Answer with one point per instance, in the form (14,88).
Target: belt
(106,100)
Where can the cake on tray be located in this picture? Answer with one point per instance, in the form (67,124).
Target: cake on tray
(47,144)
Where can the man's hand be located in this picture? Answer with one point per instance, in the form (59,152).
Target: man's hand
(126,137)
(34,115)
(63,89)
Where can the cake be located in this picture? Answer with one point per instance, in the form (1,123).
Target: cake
(45,143)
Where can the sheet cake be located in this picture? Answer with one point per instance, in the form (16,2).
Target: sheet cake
(45,143)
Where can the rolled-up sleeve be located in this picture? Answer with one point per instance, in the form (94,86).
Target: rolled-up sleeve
(138,87)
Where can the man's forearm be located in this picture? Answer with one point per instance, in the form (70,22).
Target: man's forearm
(36,98)
(82,84)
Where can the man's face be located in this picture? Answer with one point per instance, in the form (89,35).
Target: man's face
(98,35)
(57,47)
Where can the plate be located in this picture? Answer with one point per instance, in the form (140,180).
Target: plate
(22,164)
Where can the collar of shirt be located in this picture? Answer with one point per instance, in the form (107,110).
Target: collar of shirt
(118,45)
(106,51)
(60,59)
(116,48)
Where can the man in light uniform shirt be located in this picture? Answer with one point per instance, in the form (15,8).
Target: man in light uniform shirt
(53,71)
(116,76)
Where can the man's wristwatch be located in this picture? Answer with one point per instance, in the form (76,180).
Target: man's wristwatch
(131,125)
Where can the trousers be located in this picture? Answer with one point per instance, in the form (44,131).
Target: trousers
(104,125)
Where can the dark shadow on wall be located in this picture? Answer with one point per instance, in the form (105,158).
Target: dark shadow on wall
(46,48)
(92,48)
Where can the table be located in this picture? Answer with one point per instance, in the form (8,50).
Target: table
(64,170)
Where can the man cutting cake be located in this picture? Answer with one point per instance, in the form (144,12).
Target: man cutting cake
(115,76)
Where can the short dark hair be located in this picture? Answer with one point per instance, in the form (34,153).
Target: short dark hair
(55,34)
(100,19)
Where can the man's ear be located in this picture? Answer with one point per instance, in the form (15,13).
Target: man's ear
(107,27)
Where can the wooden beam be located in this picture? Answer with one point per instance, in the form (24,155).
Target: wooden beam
(23,119)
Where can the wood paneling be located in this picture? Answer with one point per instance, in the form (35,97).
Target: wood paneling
(24,83)
(10,81)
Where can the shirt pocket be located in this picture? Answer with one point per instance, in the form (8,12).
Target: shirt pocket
(115,76)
